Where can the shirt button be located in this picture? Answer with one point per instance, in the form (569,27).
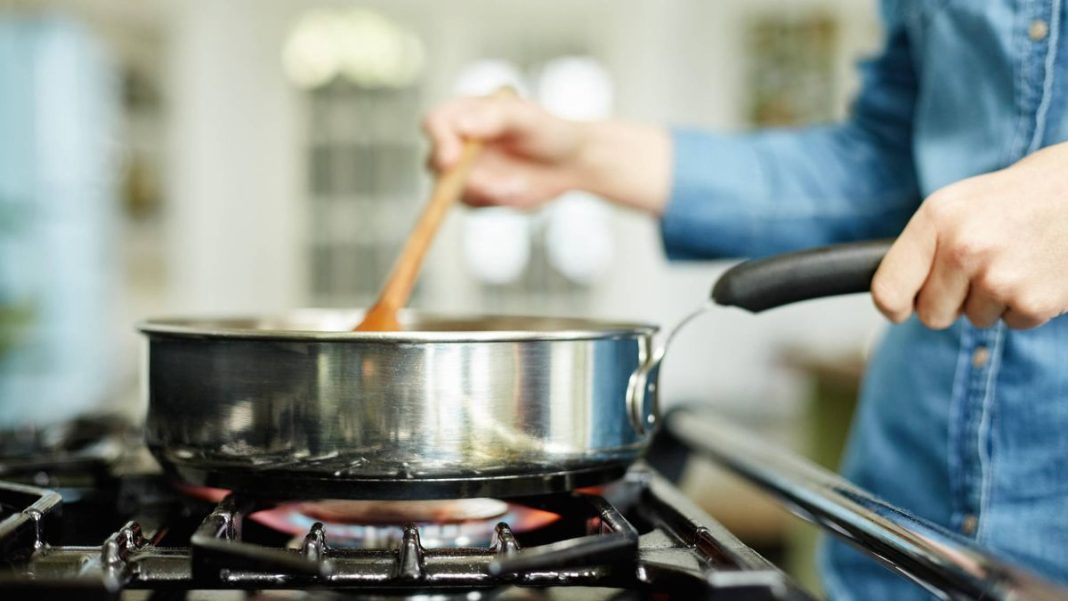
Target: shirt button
(1038,30)
(980,357)
(969,524)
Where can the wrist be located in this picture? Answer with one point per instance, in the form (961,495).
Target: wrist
(625,163)
(593,159)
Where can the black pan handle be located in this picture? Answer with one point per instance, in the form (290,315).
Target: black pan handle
(815,273)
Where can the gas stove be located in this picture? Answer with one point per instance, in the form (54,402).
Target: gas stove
(137,535)
(93,517)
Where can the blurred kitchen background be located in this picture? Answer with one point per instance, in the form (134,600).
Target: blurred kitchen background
(166,157)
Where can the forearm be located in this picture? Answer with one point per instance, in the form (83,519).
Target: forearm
(775,191)
(752,193)
(627,163)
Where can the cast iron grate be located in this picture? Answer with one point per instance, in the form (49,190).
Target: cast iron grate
(219,555)
(678,551)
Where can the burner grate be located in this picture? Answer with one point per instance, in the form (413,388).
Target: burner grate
(220,555)
(27,517)
(641,535)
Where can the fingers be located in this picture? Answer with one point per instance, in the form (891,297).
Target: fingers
(1031,306)
(486,188)
(1020,320)
(942,296)
(958,279)
(499,179)
(905,269)
(983,310)
(492,118)
(487,119)
(446,140)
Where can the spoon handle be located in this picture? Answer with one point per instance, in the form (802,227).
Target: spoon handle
(447,190)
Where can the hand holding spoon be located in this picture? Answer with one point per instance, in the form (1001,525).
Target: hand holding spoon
(382,317)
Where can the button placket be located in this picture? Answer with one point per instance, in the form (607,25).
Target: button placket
(1035,29)
(977,349)
(1043,32)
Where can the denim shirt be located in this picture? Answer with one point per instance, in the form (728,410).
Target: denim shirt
(967,427)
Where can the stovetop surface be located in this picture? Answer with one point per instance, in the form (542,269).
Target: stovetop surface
(105,532)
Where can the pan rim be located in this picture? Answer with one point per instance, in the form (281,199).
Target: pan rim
(228,327)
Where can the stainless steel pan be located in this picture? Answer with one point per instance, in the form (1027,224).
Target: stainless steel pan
(451,407)
(479,406)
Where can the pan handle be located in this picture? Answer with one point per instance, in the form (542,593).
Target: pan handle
(643,394)
(763,284)
(643,398)
(755,286)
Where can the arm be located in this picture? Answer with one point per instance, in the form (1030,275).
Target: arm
(717,195)
(765,192)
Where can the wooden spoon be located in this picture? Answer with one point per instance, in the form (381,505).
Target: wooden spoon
(382,317)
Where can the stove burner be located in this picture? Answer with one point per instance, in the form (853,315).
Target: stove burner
(380,524)
(402,512)
(386,530)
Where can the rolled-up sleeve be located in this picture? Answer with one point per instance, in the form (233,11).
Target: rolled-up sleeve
(753,194)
